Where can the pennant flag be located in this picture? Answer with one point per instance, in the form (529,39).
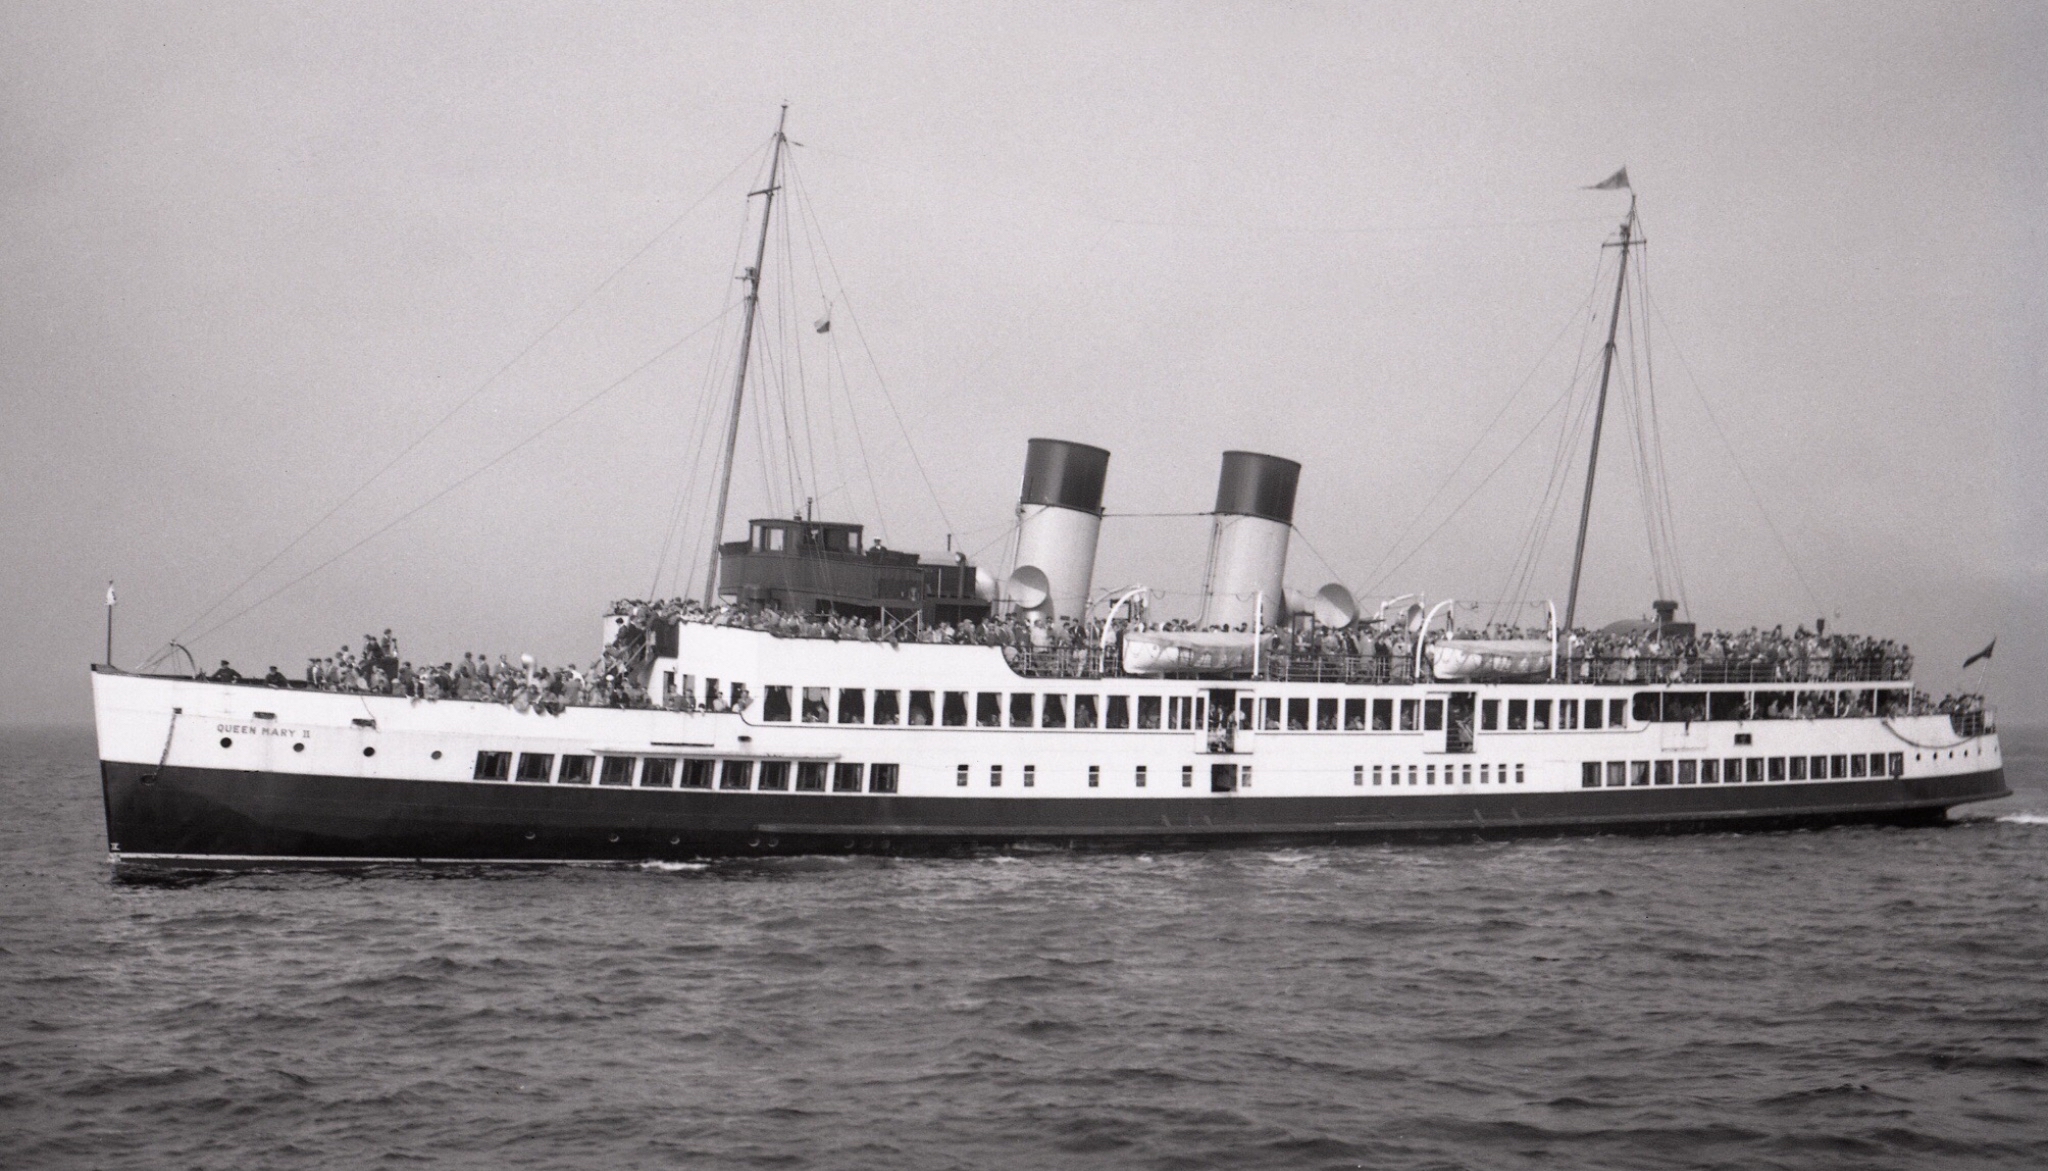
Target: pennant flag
(824,324)
(1983,654)
(1618,181)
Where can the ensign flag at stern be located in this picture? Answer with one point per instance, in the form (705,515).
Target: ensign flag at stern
(1618,181)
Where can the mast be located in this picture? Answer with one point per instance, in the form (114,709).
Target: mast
(1571,603)
(739,381)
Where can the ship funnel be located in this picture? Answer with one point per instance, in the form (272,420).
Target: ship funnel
(1059,516)
(1330,606)
(1248,545)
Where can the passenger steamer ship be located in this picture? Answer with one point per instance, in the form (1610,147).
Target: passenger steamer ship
(760,743)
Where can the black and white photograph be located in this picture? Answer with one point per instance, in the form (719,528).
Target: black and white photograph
(1117,584)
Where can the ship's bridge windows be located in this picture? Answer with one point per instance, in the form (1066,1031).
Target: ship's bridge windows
(1433,715)
(817,705)
(1148,713)
(1117,714)
(853,705)
(1354,715)
(775,704)
(1269,715)
(810,776)
(736,774)
(1539,715)
(1084,711)
(888,707)
(846,777)
(988,709)
(576,770)
(1567,715)
(1297,714)
(658,772)
(1518,715)
(1022,705)
(493,766)
(1053,712)
(920,709)
(774,776)
(617,770)
(771,538)
(955,711)
(1728,705)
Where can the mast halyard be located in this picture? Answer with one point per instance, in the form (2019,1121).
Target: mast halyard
(1571,604)
(739,382)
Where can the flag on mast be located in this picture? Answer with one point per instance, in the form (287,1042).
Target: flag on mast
(1618,181)
(1983,654)
(110,593)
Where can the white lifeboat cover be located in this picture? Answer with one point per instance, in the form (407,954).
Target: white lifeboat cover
(1490,658)
(1161,652)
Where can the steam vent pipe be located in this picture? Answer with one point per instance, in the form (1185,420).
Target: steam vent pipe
(1248,545)
(1059,517)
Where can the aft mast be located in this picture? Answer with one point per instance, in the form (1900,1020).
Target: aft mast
(739,381)
(1571,605)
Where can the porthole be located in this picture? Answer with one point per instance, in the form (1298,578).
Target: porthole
(437,754)
(369,751)
(227,741)
(675,840)
(612,838)
(298,748)
(529,835)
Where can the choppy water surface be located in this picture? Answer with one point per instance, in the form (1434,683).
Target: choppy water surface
(1853,998)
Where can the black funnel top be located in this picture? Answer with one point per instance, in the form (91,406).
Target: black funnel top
(1069,475)
(1257,485)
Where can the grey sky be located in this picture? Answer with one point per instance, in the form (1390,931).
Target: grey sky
(252,253)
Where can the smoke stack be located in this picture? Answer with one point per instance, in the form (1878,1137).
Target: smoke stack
(1248,546)
(1059,516)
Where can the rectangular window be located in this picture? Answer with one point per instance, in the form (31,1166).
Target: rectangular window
(775,704)
(1187,776)
(1838,767)
(1433,715)
(1023,709)
(1084,711)
(1269,715)
(1638,773)
(1464,773)
(1777,768)
(1358,775)
(493,766)
(988,709)
(1856,765)
(995,776)
(960,776)
(1774,705)
(920,709)
(1095,776)
(1617,713)
(1819,768)
(1413,774)
(617,770)
(1354,715)
(1539,715)
(774,776)
(1485,770)
(1429,775)
(1688,772)
(1053,712)
(1796,769)
(1297,715)
(853,705)
(846,778)
(1728,705)
(1139,776)
(1177,712)
(1383,715)
(1326,715)
(658,772)
(576,770)
(1518,715)
(1663,772)
(1567,715)
(1244,776)
(1519,777)
(1376,774)
(1489,715)
(1589,775)
(1411,715)
(1617,773)
(736,774)
(1710,772)
(1030,775)
(817,701)
(955,711)
(888,708)
(696,774)
(810,776)
(1148,712)
(882,778)
(1594,709)
(1753,770)
(1118,713)
(1895,764)
(1648,708)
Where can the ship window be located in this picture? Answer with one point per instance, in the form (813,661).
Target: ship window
(659,772)
(1376,773)
(1753,770)
(1358,775)
(1269,714)
(1433,715)
(1777,768)
(1297,715)
(1539,715)
(1519,776)
(775,704)
(1489,715)
(1326,715)
(696,773)
(618,770)
(1244,776)
(493,766)
(1838,767)
(1685,707)
(1030,775)
(1084,711)
(882,778)
(1410,714)
(1617,773)
(1354,715)
(1485,769)
(1594,709)
(1638,772)
(960,776)
(1118,713)
(1094,776)
(1797,766)
(810,776)
(1518,715)
(853,705)
(988,709)
(887,707)
(1020,709)
(1647,709)
(1710,772)
(1688,772)
(774,776)
(1728,705)
(1413,772)
(711,695)
(920,709)
(1663,772)
(1567,715)
(774,540)
(1774,705)
(846,778)
(1895,764)
(1383,715)
(995,776)
(1856,765)
(1187,776)
(1053,712)
(1148,712)
(1617,713)
(1429,775)
(1139,776)
(576,770)
(817,709)
(736,774)
(1589,775)
(956,709)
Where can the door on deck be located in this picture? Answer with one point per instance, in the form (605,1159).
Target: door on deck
(1449,717)
(1222,732)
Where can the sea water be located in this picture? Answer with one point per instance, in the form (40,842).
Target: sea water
(1864,998)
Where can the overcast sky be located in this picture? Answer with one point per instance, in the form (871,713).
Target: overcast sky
(254,254)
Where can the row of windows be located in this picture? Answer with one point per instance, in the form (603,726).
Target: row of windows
(1453,774)
(1826,703)
(670,772)
(1736,770)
